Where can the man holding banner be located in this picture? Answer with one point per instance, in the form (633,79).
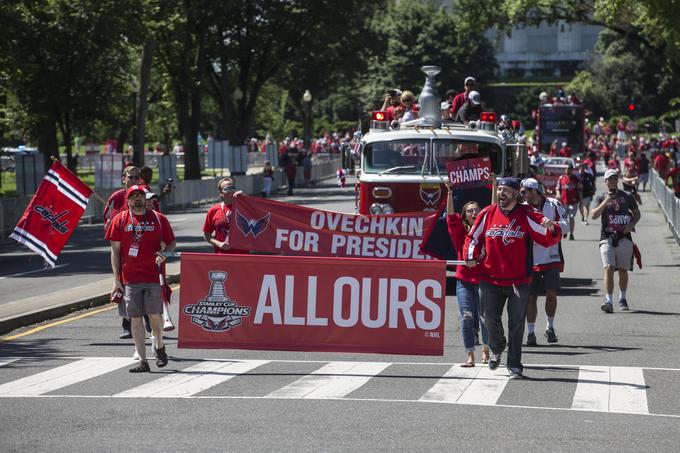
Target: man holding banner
(137,235)
(500,242)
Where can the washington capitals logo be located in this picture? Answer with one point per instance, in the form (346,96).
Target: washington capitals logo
(430,198)
(508,234)
(251,226)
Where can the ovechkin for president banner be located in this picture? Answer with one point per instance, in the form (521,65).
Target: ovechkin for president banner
(269,226)
(53,213)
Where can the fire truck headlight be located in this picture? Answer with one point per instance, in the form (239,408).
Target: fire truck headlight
(381,208)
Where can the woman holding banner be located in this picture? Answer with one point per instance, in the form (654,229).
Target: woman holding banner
(218,219)
(467,279)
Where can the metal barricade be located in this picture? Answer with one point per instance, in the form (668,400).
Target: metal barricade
(668,202)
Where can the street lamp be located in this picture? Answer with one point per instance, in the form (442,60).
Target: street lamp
(307,101)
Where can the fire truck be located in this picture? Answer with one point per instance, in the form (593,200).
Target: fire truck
(403,166)
(561,123)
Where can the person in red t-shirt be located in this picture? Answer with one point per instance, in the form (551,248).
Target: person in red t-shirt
(136,236)
(461,98)
(219,218)
(674,177)
(568,192)
(117,202)
(565,151)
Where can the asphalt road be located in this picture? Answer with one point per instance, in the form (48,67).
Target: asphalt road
(612,383)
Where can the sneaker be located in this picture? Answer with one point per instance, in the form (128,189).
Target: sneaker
(515,373)
(494,361)
(623,305)
(550,335)
(607,307)
(571,237)
(142,367)
(161,357)
(531,339)
(125,334)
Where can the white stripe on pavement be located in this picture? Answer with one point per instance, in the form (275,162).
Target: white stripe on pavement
(63,376)
(592,389)
(486,388)
(451,386)
(192,380)
(334,380)
(611,389)
(628,392)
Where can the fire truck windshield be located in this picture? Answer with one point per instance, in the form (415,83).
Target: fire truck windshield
(415,156)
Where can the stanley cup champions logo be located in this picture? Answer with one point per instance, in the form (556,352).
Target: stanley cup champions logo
(216,312)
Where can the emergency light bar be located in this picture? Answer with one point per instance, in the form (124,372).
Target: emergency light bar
(379,121)
(488,117)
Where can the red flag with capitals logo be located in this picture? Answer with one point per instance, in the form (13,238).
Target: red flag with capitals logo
(53,213)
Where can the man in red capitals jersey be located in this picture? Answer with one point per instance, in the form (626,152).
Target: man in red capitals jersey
(137,235)
(548,262)
(505,232)
(568,192)
(116,202)
(219,218)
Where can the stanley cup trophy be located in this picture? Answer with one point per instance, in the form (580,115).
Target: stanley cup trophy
(429,98)
(217,294)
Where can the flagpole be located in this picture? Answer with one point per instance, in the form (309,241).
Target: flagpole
(97,196)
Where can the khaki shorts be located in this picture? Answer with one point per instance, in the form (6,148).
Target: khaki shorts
(620,257)
(143,299)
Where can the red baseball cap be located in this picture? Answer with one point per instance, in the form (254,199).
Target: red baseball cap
(133,189)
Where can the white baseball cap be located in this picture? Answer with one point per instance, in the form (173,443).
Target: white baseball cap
(470,79)
(475,97)
(609,173)
(531,183)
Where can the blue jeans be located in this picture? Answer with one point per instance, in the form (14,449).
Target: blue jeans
(493,301)
(467,295)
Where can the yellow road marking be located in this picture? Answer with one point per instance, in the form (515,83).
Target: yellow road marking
(64,321)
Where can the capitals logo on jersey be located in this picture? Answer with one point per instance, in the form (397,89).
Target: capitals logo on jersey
(508,233)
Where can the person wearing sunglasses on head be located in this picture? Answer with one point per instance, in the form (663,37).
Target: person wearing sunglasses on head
(219,218)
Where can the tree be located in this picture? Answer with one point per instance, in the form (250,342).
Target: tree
(421,33)
(66,62)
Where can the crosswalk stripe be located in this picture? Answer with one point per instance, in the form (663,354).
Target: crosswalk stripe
(487,387)
(334,380)
(451,385)
(592,389)
(628,392)
(192,380)
(63,376)
(611,389)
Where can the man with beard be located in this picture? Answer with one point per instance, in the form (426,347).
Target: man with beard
(504,231)
(137,235)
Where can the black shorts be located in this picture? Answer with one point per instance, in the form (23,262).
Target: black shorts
(542,281)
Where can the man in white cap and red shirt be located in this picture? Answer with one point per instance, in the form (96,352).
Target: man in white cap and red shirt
(548,262)
(620,214)
(471,110)
(460,98)
(137,235)
(501,243)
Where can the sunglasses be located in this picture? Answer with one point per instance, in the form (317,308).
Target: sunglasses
(228,189)
(472,210)
(134,177)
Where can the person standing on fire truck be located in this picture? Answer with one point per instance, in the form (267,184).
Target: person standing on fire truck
(460,98)
(505,231)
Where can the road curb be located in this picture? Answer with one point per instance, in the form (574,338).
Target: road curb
(9,324)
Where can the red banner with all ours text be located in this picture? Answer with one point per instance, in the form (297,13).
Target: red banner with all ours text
(312,304)
(286,229)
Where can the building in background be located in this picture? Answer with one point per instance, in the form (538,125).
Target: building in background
(545,51)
